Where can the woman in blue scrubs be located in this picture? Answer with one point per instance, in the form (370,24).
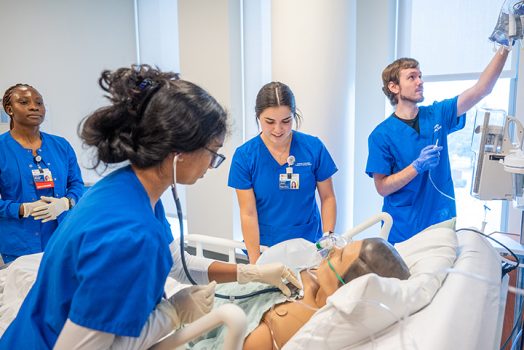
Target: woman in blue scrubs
(276,175)
(103,272)
(39,176)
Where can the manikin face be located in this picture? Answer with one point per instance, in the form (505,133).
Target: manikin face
(193,166)
(26,107)
(276,124)
(341,259)
(410,87)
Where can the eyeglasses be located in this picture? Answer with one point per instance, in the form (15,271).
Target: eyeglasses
(333,269)
(217,159)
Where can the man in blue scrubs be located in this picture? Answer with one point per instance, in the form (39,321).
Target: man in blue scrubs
(411,144)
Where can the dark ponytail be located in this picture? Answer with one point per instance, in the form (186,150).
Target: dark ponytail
(152,114)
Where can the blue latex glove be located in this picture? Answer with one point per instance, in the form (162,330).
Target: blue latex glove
(429,158)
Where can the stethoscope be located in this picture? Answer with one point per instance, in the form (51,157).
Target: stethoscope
(182,250)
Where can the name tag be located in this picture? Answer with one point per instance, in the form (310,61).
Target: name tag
(43,178)
(287,182)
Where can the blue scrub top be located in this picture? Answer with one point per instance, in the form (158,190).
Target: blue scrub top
(104,268)
(394,145)
(283,213)
(20,236)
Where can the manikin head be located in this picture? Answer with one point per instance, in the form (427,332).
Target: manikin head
(358,258)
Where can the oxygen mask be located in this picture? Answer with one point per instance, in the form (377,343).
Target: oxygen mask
(327,243)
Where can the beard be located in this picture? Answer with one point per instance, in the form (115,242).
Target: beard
(409,99)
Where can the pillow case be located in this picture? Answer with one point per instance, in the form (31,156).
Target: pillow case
(370,303)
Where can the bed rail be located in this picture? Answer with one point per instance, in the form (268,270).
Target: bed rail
(200,240)
(375,219)
(230,315)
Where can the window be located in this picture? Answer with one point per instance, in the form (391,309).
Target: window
(457,30)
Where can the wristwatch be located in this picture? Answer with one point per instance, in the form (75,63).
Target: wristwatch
(71,202)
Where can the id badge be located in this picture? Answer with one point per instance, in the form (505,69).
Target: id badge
(287,182)
(43,178)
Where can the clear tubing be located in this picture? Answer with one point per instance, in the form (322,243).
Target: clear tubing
(314,276)
(297,301)
(438,190)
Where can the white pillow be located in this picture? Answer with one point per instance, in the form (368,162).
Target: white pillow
(370,303)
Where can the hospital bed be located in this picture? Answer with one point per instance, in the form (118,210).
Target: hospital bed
(455,298)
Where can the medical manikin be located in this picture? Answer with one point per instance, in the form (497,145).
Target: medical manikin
(273,319)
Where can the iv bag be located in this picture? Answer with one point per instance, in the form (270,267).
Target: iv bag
(510,24)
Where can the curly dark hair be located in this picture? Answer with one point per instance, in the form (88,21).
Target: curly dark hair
(152,114)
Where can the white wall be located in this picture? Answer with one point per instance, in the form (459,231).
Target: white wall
(210,45)
(158,46)
(313,51)
(157,29)
(375,49)
(60,47)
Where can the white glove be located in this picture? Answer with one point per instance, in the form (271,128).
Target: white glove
(31,206)
(276,274)
(191,303)
(51,209)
